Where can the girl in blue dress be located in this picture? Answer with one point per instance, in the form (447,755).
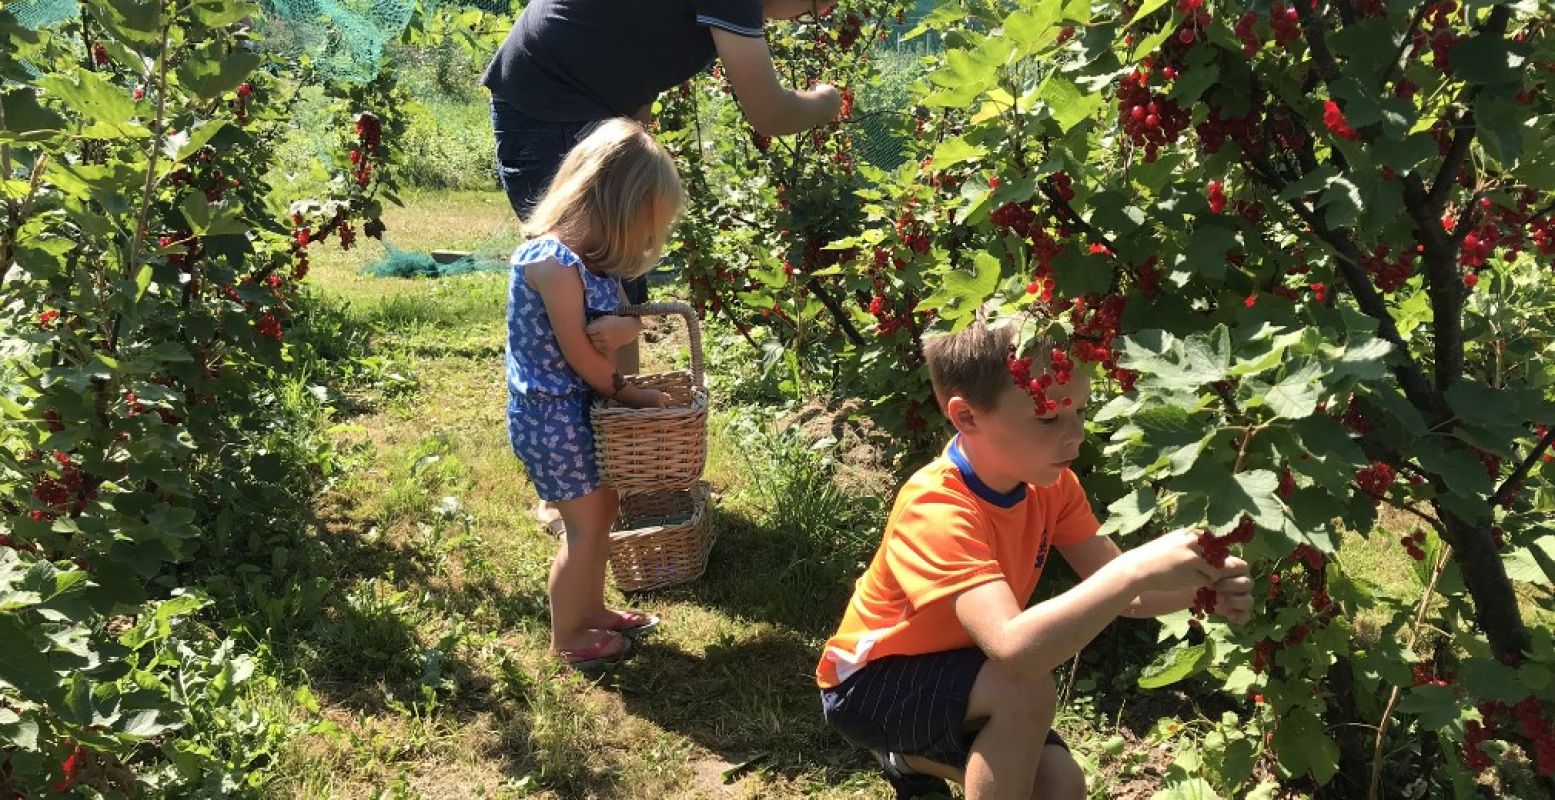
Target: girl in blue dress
(605,217)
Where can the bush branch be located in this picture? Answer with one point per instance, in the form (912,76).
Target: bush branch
(1510,484)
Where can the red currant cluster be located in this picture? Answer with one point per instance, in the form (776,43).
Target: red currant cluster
(1413,545)
(67,493)
(1060,370)
(1286,22)
(1319,291)
(99,54)
(1335,121)
(1215,550)
(1149,119)
(1063,185)
(1251,41)
(1426,674)
(1491,461)
(848,32)
(46,318)
(1544,234)
(1442,39)
(912,235)
(1096,324)
(847,105)
(1527,718)
(1375,479)
(240,106)
(1309,556)
(369,133)
(1387,272)
(1355,418)
(1479,245)
(1287,484)
(1263,653)
(1149,277)
(1216,193)
(1195,20)
(762,141)
(269,326)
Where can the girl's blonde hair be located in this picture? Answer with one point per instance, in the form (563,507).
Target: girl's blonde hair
(615,196)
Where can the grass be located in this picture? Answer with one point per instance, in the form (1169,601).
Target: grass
(429,658)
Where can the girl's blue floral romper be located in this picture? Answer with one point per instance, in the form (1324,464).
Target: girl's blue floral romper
(548,402)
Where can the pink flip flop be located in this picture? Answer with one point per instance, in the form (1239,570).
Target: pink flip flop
(633,624)
(595,657)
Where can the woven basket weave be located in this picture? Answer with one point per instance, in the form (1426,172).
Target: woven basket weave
(662,538)
(656,448)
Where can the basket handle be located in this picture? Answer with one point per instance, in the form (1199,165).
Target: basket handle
(693,328)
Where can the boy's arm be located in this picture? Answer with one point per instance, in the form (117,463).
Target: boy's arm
(1035,641)
(1090,555)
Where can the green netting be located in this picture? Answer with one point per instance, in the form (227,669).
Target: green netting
(490,256)
(343,39)
(35,14)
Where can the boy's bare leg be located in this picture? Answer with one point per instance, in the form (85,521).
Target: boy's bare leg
(1013,717)
(1058,777)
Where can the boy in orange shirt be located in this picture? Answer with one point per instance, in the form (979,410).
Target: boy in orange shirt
(936,667)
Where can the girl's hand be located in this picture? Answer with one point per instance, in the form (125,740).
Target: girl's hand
(611,333)
(648,398)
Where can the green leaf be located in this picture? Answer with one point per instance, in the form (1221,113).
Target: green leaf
(1364,359)
(1191,789)
(1145,9)
(1067,103)
(1341,202)
(95,99)
(1464,473)
(146,724)
(1077,272)
(1034,27)
(1487,58)
(1206,254)
(1304,747)
(1130,512)
(955,150)
(23,665)
(1488,679)
(960,293)
(208,78)
(1176,665)
(1168,362)
(1149,43)
(1297,394)
(24,115)
(1435,706)
(1252,493)
(1500,123)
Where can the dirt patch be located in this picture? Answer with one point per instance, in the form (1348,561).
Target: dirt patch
(862,465)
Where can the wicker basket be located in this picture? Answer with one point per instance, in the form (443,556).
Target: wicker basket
(662,538)
(656,448)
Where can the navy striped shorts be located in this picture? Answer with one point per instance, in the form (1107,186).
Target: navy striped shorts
(913,705)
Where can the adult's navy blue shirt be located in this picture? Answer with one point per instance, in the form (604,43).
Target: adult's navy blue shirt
(584,60)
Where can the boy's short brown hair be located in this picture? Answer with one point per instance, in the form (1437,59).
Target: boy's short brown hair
(971,363)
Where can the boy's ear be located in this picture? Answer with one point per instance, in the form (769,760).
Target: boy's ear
(961,414)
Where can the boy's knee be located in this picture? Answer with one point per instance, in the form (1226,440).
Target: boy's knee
(1014,694)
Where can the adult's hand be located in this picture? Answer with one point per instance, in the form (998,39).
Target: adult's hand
(771,109)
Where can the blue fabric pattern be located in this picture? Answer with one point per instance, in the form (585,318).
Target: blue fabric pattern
(553,438)
(548,401)
(534,359)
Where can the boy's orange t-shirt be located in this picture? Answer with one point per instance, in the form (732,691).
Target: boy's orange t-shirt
(949,532)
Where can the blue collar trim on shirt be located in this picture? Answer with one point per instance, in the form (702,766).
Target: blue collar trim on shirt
(1008,499)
